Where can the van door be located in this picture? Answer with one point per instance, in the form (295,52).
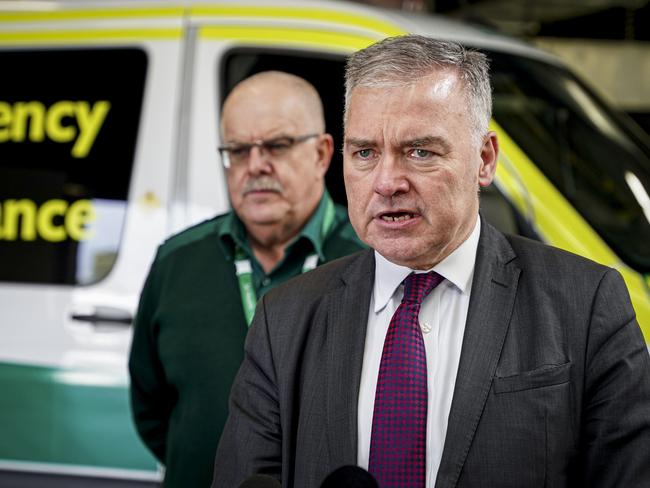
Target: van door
(87,130)
(234,42)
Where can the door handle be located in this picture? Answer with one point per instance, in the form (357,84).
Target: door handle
(102,315)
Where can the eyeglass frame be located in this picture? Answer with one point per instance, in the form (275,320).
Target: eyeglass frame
(262,144)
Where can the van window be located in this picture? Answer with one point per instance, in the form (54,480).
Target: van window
(68,129)
(600,167)
(325,72)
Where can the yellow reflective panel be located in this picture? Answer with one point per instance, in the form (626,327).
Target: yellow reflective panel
(97,36)
(331,40)
(302,13)
(557,222)
(554,217)
(90,14)
(317,14)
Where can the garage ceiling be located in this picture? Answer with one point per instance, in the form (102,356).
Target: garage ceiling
(598,19)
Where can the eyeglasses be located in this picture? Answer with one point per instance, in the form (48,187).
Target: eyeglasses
(239,153)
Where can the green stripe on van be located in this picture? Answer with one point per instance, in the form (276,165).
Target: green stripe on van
(59,416)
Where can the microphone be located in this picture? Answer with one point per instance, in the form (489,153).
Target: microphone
(261,481)
(350,477)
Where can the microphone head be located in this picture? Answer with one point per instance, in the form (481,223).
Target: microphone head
(350,477)
(261,481)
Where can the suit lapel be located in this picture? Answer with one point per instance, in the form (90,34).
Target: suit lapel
(491,304)
(347,322)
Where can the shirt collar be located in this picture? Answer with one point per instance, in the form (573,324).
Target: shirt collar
(457,268)
(232,232)
(312,231)
(232,235)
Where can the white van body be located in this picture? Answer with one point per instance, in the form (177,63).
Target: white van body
(164,67)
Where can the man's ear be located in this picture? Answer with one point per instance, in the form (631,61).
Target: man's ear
(325,149)
(489,156)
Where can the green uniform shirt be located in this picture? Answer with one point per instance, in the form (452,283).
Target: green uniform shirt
(189,335)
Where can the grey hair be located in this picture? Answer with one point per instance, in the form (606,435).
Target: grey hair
(401,60)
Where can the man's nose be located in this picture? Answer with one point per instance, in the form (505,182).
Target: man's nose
(258,160)
(391,177)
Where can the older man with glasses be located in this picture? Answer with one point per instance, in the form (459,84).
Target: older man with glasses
(202,289)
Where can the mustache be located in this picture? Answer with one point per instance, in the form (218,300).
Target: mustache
(262,183)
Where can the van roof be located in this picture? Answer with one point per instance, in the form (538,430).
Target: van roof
(202,11)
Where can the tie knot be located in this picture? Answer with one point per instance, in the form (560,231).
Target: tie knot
(418,286)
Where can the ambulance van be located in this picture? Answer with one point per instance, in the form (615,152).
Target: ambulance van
(109,117)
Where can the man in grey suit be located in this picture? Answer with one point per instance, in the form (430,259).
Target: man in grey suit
(448,355)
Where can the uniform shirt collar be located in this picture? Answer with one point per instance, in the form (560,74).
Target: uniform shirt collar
(232,235)
(312,231)
(457,268)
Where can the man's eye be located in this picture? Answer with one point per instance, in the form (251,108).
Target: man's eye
(364,153)
(239,151)
(278,145)
(421,153)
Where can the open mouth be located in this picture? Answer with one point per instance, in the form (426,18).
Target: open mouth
(397,217)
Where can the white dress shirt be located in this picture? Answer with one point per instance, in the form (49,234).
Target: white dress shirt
(442,318)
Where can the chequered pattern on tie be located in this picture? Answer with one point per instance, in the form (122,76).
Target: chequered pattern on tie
(399,423)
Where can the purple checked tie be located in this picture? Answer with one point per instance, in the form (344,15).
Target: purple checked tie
(399,422)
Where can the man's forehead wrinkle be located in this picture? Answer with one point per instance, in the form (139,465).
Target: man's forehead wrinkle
(277,98)
(272,132)
(252,118)
(393,80)
(359,142)
(418,141)
(272,135)
(406,116)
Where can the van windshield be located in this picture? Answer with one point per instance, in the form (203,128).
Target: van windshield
(588,152)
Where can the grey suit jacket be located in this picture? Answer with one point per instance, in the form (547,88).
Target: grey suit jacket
(553,387)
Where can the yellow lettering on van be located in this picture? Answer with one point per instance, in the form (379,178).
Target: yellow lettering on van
(56,131)
(19,214)
(53,221)
(5,121)
(47,229)
(89,124)
(28,113)
(62,122)
(80,214)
